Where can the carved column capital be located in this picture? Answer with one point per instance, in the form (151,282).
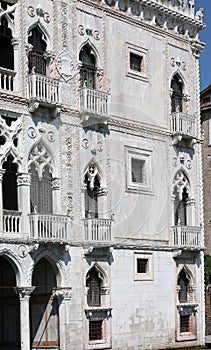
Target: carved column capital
(24,292)
(55,184)
(24,179)
(2,171)
(64,293)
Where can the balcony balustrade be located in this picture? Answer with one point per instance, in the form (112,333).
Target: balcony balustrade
(94,104)
(49,227)
(7,79)
(183,126)
(11,221)
(97,230)
(187,236)
(44,90)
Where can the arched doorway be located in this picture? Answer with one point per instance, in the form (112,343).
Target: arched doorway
(9,308)
(44,316)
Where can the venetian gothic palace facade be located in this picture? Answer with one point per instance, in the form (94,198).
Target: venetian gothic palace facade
(101,225)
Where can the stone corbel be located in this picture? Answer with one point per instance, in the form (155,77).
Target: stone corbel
(33,106)
(55,113)
(33,247)
(176,139)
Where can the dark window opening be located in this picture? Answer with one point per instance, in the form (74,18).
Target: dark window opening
(44,315)
(177,94)
(142,265)
(137,166)
(9,308)
(94,284)
(88,69)
(183,283)
(9,185)
(185,324)
(37,62)
(95,330)
(180,210)
(136,62)
(41,191)
(91,198)
(6,48)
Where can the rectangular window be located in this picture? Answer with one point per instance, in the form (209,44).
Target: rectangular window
(95,330)
(135,62)
(142,265)
(138,170)
(185,324)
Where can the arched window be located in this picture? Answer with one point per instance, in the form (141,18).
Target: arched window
(9,185)
(6,48)
(94,284)
(183,283)
(37,61)
(92,183)
(41,191)
(181,197)
(177,94)
(44,316)
(88,68)
(9,308)
(40,168)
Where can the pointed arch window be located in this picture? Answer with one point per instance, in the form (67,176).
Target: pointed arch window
(9,185)
(177,94)
(92,184)
(40,168)
(41,191)
(6,48)
(94,284)
(181,197)
(183,283)
(88,68)
(37,61)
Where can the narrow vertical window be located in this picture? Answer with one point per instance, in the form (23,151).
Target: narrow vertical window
(136,62)
(37,60)
(88,68)
(177,94)
(94,283)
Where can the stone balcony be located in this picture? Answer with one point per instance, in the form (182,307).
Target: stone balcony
(97,230)
(41,227)
(183,127)
(187,237)
(7,79)
(94,105)
(43,91)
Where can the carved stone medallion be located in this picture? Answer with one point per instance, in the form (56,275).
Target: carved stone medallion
(65,66)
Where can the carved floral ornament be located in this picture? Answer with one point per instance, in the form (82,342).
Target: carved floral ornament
(89,31)
(176,62)
(32,12)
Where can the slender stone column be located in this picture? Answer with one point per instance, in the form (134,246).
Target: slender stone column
(24,182)
(24,295)
(2,171)
(64,297)
(15,43)
(55,185)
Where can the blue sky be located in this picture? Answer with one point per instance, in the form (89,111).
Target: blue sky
(205,36)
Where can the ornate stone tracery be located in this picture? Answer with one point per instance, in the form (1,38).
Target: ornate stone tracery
(181,182)
(40,157)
